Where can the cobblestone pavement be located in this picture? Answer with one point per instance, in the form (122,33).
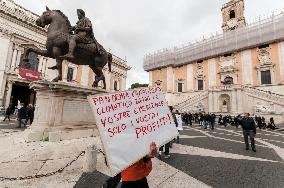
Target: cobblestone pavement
(219,159)
(204,158)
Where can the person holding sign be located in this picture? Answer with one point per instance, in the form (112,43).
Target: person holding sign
(135,175)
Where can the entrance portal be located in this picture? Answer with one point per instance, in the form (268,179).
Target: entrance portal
(22,93)
(224,103)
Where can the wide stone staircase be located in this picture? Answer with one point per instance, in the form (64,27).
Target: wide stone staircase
(191,101)
(264,95)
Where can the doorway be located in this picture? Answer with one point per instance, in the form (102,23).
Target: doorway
(22,93)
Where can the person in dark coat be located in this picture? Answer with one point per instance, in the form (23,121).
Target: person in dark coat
(249,130)
(30,113)
(8,112)
(22,116)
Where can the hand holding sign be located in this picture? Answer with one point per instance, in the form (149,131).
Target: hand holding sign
(153,150)
(128,122)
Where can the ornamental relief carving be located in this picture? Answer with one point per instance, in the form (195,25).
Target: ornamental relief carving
(227,64)
(199,71)
(264,56)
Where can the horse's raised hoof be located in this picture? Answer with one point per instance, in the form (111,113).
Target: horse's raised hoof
(56,79)
(53,68)
(95,85)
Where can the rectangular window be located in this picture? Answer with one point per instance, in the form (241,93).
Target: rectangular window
(179,87)
(70,72)
(265,77)
(200,85)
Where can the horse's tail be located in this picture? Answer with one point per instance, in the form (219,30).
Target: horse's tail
(109,61)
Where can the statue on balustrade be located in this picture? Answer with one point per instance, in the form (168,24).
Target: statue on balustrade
(76,44)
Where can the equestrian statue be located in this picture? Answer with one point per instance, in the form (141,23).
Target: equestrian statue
(75,44)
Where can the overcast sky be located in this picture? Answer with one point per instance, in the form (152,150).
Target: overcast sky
(133,28)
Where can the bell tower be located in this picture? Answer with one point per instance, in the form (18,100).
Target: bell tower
(233,15)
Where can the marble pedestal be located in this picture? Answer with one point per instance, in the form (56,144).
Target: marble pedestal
(62,112)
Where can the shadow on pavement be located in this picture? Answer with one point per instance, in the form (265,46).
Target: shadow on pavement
(91,180)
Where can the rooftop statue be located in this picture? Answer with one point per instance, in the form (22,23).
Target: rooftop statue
(76,44)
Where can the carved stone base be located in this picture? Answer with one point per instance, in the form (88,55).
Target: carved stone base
(61,112)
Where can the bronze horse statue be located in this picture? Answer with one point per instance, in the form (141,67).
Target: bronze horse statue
(58,35)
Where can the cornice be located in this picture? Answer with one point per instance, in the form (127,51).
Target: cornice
(29,26)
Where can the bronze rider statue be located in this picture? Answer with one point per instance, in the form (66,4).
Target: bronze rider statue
(83,33)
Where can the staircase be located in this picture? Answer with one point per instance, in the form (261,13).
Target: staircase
(264,95)
(191,101)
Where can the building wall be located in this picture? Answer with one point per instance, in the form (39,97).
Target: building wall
(160,75)
(246,63)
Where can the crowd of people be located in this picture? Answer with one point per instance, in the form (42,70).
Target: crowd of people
(24,114)
(209,119)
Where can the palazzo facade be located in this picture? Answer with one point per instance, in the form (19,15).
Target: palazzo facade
(240,70)
(19,31)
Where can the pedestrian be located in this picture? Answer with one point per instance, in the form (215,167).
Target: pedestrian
(135,175)
(30,113)
(22,116)
(249,130)
(179,124)
(167,145)
(190,119)
(212,118)
(8,112)
(271,124)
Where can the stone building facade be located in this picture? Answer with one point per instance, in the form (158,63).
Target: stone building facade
(240,70)
(19,31)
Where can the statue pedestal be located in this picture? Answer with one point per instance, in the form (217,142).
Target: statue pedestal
(62,112)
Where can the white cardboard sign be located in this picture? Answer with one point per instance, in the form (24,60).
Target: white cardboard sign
(129,121)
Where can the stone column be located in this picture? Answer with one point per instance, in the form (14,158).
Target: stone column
(14,59)
(10,55)
(190,77)
(281,59)
(8,94)
(170,79)
(18,58)
(216,104)
(44,66)
(247,68)
(40,64)
(210,102)
(234,101)
(240,101)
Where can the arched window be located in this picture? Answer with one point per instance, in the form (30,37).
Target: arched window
(115,86)
(33,62)
(232,14)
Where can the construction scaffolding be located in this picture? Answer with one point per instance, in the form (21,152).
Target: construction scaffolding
(264,31)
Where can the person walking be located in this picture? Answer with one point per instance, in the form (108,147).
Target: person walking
(179,124)
(22,116)
(30,113)
(249,130)
(8,112)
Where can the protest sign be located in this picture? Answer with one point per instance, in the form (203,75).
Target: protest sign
(129,121)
